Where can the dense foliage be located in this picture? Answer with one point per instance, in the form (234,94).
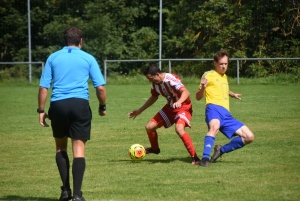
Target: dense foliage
(120,29)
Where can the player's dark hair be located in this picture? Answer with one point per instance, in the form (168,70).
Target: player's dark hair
(152,70)
(72,36)
(220,54)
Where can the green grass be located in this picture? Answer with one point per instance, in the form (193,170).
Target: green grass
(114,78)
(267,169)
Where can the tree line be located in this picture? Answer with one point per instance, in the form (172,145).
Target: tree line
(122,29)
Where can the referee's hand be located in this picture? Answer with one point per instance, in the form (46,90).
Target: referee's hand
(102,110)
(42,117)
(102,113)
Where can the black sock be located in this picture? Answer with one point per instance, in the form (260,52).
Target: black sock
(63,165)
(78,172)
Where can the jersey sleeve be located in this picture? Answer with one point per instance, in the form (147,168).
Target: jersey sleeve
(95,74)
(177,85)
(46,77)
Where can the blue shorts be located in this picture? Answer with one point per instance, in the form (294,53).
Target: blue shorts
(228,124)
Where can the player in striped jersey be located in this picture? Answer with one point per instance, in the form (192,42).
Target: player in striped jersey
(178,109)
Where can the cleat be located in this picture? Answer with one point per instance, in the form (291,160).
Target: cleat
(65,194)
(77,198)
(217,153)
(149,150)
(204,162)
(195,161)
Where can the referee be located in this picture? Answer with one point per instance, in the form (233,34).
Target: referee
(67,72)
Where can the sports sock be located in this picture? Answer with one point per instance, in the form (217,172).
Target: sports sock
(63,165)
(235,143)
(153,138)
(187,141)
(209,142)
(78,172)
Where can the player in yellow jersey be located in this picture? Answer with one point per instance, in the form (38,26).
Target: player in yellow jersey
(214,86)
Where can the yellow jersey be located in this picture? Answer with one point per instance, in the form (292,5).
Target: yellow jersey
(217,90)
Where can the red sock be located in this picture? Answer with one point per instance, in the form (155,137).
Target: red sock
(187,141)
(153,138)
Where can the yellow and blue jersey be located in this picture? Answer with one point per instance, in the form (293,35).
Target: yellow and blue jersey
(217,89)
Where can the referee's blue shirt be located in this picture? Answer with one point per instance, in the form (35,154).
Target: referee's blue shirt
(68,71)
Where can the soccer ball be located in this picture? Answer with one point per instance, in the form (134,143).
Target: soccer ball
(136,152)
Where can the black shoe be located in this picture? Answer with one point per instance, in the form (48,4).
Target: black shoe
(204,162)
(195,161)
(217,153)
(77,198)
(65,194)
(149,150)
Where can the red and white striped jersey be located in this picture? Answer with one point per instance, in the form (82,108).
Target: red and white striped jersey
(170,89)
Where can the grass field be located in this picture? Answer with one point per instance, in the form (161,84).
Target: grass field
(267,169)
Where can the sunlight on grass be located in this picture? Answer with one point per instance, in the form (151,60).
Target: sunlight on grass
(267,169)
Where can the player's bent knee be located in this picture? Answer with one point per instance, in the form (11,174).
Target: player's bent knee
(214,129)
(248,141)
(213,132)
(246,134)
(149,127)
(179,129)
(249,138)
(180,132)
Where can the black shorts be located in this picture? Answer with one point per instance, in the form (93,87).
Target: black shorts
(71,117)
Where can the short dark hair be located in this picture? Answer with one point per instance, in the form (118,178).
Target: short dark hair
(152,70)
(72,36)
(220,54)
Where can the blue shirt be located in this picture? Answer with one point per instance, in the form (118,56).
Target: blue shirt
(68,71)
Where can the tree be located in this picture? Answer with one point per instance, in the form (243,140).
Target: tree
(121,29)
(13,41)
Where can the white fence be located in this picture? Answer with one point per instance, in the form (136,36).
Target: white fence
(203,59)
(153,60)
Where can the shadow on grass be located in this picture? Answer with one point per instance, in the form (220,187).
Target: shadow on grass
(15,197)
(170,160)
(186,160)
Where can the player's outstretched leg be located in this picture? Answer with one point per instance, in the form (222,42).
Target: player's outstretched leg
(217,153)
(234,144)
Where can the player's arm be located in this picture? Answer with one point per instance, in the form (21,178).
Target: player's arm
(234,95)
(201,89)
(147,104)
(101,96)
(42,97)
(184,95)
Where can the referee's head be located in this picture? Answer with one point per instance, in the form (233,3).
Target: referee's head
(72,36)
